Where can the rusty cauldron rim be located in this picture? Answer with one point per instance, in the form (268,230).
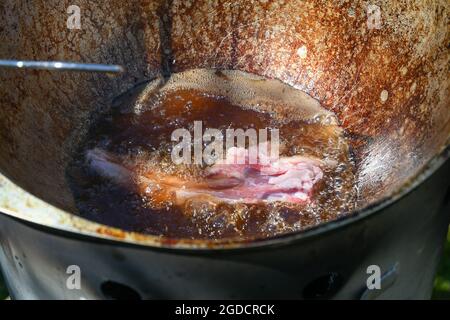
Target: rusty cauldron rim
(103,234)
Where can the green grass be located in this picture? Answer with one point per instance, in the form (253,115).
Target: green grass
(3,292)
(441,283)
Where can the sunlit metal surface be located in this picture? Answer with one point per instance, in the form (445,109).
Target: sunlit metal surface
(62,66)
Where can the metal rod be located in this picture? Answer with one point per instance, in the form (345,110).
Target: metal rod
(62,66)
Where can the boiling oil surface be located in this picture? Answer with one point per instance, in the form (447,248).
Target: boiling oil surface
(138,131)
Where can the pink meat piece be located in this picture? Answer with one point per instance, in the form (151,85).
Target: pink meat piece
(287,179)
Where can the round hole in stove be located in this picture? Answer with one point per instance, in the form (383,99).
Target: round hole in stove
(117,291)
(323,287)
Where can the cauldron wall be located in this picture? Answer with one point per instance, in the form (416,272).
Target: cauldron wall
(388,86)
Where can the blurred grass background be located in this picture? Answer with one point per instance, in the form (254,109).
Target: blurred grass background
(3,292)
(441,283)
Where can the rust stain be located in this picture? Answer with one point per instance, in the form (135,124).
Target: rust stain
(111,232)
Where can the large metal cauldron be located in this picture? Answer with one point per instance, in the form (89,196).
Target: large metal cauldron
(386,80)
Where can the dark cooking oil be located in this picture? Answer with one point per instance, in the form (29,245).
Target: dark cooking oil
(138,129)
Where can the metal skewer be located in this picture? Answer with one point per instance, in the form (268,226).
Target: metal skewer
(62,66)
